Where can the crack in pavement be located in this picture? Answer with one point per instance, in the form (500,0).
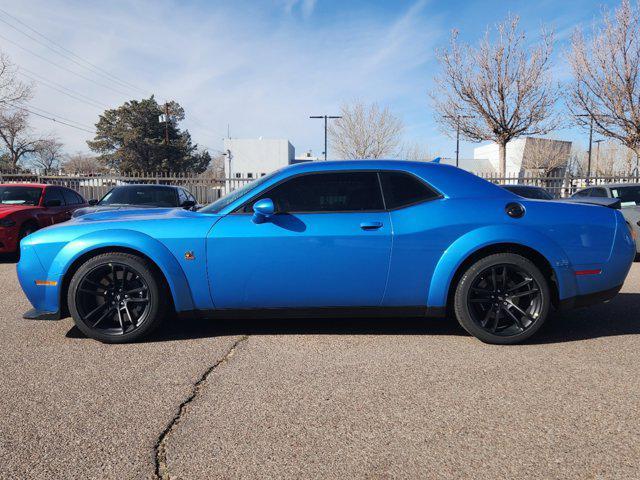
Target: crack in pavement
(160,448)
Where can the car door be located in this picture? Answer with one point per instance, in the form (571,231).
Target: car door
(73,200)
(328,245)
(56,209)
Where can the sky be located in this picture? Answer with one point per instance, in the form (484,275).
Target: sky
(258,68)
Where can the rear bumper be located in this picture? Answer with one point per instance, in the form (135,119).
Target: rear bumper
(588,299)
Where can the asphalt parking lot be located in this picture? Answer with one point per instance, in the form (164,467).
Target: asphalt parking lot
(321,399)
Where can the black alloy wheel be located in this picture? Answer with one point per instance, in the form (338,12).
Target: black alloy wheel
(116,298)
(503,298)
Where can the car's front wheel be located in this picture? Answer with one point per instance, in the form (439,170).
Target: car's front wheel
(116,297)
(502,299)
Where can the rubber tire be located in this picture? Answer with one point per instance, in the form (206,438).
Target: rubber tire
(461,308)
(26,229)
(157,293)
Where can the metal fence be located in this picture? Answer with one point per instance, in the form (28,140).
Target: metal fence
(559,186)
(206,189)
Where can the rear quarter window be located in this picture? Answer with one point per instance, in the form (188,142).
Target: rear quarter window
(403,189)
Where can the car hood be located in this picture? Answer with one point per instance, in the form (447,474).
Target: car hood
(110,208)
(125,213)
(6,210)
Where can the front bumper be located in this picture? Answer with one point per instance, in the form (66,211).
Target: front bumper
(34,314)
(45,298)
(8,240)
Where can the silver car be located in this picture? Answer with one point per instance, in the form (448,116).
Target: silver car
(629,196)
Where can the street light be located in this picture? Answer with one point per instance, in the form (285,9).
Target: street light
(597,142)
(457,118)
(590,144)
(325,130)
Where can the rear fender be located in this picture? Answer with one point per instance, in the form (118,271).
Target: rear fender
(477,239)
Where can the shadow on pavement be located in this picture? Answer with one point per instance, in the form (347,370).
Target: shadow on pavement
(621,316)
(618,317)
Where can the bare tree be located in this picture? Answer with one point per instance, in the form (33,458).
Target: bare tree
(215,169)
(611,158)
(416,152)
(365,131)
(82,163)
(497,91)
(545,155)
(15,136)
(48,154)
(606,77)
(12,90)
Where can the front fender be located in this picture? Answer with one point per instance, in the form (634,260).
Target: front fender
(480,238)
(129,239)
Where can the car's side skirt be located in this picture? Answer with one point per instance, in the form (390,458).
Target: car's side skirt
(318,312)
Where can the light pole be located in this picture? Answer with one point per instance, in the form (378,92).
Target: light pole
(457,118)
(325,130)
(597,142)
(587,180)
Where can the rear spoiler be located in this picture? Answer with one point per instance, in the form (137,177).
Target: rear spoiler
(603,202)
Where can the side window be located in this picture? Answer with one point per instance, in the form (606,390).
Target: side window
(583,193)
(402,189)
(182,196)
(79,198)
(326,192)
(598,192)
(70,197)
(54,193)
(191,197)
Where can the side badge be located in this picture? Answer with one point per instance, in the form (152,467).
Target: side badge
(189,255)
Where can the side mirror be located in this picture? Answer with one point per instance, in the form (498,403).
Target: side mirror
(52,203)
(262,210)
(187,204)
(93,202)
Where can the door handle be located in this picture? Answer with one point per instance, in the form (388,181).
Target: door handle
(370,225)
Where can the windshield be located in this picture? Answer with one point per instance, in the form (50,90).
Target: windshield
(231,197)
(148,196)
(20,195)
(629,196)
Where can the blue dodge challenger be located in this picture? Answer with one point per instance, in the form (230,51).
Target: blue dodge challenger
(345,238)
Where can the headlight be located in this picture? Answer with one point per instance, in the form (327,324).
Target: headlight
(7,222)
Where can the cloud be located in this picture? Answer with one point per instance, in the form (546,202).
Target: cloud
(241,65)
(306,7)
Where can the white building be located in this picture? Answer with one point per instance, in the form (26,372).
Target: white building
(519,152)
(255,157)
(306,157)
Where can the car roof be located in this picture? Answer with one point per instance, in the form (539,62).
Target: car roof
(25,184)
(365,164)
(614,185)
(147,185)
(448,180)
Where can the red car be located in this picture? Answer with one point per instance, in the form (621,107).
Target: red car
(26,207)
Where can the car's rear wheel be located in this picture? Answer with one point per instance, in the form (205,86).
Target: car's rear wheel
(116,297)
(502,298)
